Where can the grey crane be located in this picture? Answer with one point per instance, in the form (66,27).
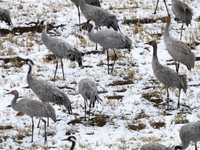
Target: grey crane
(183,12)
(100,16)
(90,2)
(60,49)
(166,75)
(179,51)
(46,91)
(187,133)
(88,89)
(155,146)
(165,6)
(33,108)
(73,140)
(5,16)
(109,39)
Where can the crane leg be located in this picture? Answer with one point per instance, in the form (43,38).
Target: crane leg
(167,99)
(96,43)
(38,123)
(178,105)
(89,110)
(79,19)
(114,61)
(56,69)
(156,7)
(181,31)
(62,69)
(107,60)
(85,108)
(196,146)
(177,66)
(32,129)
(166,7)
(47,122)
(45,131)
(96,47)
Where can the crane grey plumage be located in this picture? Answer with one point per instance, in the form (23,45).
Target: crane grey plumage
(45,91)
(90,2)
(187,133)
(33,108)
(155,146)
(52,110)
(165,6)
(108,38)
(166,75)
(179,51)
(88,89)
(5,16)
(60,49)
(100,16)
(183,12)
(73,140)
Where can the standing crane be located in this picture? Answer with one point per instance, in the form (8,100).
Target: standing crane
(155,146)
(100,16)
(45,91)
(187,133)
(183,12)
(88,89)
(90,2)
(33,108)
(165,6)
(179,51)
(5,16)
(60,49)
(166,75)
(109,39)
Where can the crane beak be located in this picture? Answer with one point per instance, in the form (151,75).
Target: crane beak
(9,93)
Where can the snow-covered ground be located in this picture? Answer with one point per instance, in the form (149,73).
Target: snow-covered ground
(129,112)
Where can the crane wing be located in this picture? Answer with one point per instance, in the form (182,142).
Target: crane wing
(33,107)
(59,47)
(180,47)
(167,76)
(48,92)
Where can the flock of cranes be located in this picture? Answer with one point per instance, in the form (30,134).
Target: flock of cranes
(108,39)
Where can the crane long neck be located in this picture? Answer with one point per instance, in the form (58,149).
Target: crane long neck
(44,34)
(166,31)
(91,28)
(14,102)
(92,34)
(155,57)
(29,75)
(82,2)
(73,145)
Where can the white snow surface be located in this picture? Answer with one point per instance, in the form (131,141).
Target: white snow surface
(121,113)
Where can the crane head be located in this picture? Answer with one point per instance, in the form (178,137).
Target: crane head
(71,138)
(43,23)
(14,92)
(29,62)
(153,42)
(168,20)
(91,25)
